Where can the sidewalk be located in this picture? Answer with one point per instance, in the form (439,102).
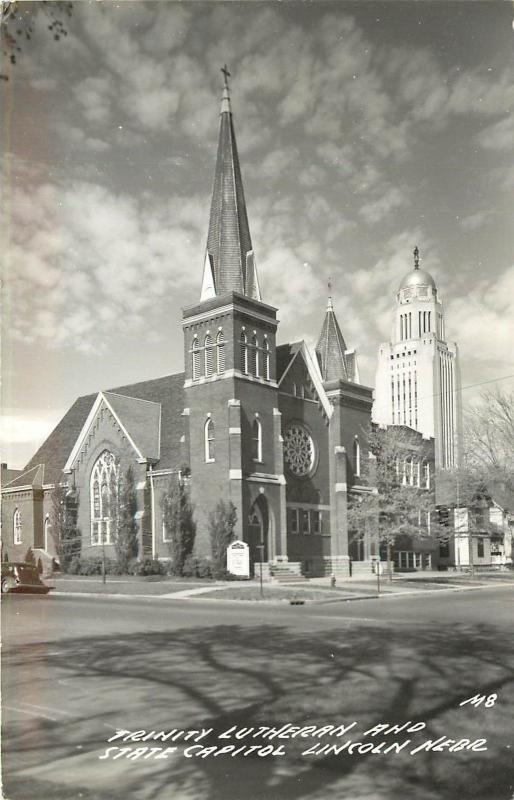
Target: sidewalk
(314,590)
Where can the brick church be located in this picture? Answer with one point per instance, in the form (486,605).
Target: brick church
(275,429)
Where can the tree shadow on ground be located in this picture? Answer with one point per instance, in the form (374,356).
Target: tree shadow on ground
(229,675)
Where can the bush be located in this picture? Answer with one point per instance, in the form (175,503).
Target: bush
(29,557)
(148,566)
(195,567)
(222,522)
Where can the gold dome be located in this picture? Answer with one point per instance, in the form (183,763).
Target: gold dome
(417,276)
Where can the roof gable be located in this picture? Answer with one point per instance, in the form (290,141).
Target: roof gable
(288,355)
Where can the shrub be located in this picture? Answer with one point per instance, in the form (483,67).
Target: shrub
(126,542)
(195,567)
(29,557)
(147,566)
(222,522)
(177,513)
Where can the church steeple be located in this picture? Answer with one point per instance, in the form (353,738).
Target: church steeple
(335,361)
(229,258)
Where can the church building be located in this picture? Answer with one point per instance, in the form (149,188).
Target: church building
(274,428)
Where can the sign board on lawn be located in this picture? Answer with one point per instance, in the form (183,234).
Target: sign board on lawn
(238,559)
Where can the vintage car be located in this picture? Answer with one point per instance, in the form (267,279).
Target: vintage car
(18,576)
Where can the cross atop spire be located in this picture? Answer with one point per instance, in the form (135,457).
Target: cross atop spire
(226,75)
(416,257)
(330,307)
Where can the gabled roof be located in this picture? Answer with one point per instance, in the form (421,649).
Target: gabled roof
(168,392)
(31,477)
(331,349)
(287,354)
(141,419)
(229,261)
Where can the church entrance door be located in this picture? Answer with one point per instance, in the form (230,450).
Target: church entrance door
(258,530)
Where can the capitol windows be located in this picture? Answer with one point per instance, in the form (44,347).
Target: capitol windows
(208,356)
(220,353)
(16,525)
(257,440)
(104,487)
(209,440)
(196,359)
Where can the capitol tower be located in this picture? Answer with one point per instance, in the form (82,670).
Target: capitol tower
(418,379)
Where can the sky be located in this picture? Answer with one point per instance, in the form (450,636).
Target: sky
(364,129)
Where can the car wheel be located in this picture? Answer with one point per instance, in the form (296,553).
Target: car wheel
(7,585)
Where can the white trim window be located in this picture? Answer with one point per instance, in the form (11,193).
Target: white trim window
(356,457)
(104,488)
(265,359)
(166,536)
(47,531)
(220,353)
(243,344)
(254,356)
(316,521)
(295,520)
(208,356)
(16,526)
(426,474)
(209,441)
(306,520)
(257,440)
(195,358)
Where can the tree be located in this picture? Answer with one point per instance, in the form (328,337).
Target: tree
(19,21)
(179,524)
(126,542)
(489,444)
(66,534)
(222,522)
(29,557)
(395,505)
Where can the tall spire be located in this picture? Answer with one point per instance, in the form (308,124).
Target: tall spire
(335,361)
(229,259)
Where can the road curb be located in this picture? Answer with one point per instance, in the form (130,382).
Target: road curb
(385,595)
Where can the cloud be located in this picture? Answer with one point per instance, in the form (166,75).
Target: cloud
(499,136)
(102,258)
(378,209)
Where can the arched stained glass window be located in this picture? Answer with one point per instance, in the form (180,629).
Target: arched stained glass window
(244,352)
(209,356)
(220,353)
(196,359)
(209,440)
(104,491)
(16,525)
(256,440)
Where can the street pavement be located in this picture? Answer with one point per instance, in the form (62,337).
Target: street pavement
(77,669)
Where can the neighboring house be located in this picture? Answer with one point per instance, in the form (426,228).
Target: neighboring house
(277,430)
(480,535)
(26,514)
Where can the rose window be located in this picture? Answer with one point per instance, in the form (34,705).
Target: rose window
(299,450)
